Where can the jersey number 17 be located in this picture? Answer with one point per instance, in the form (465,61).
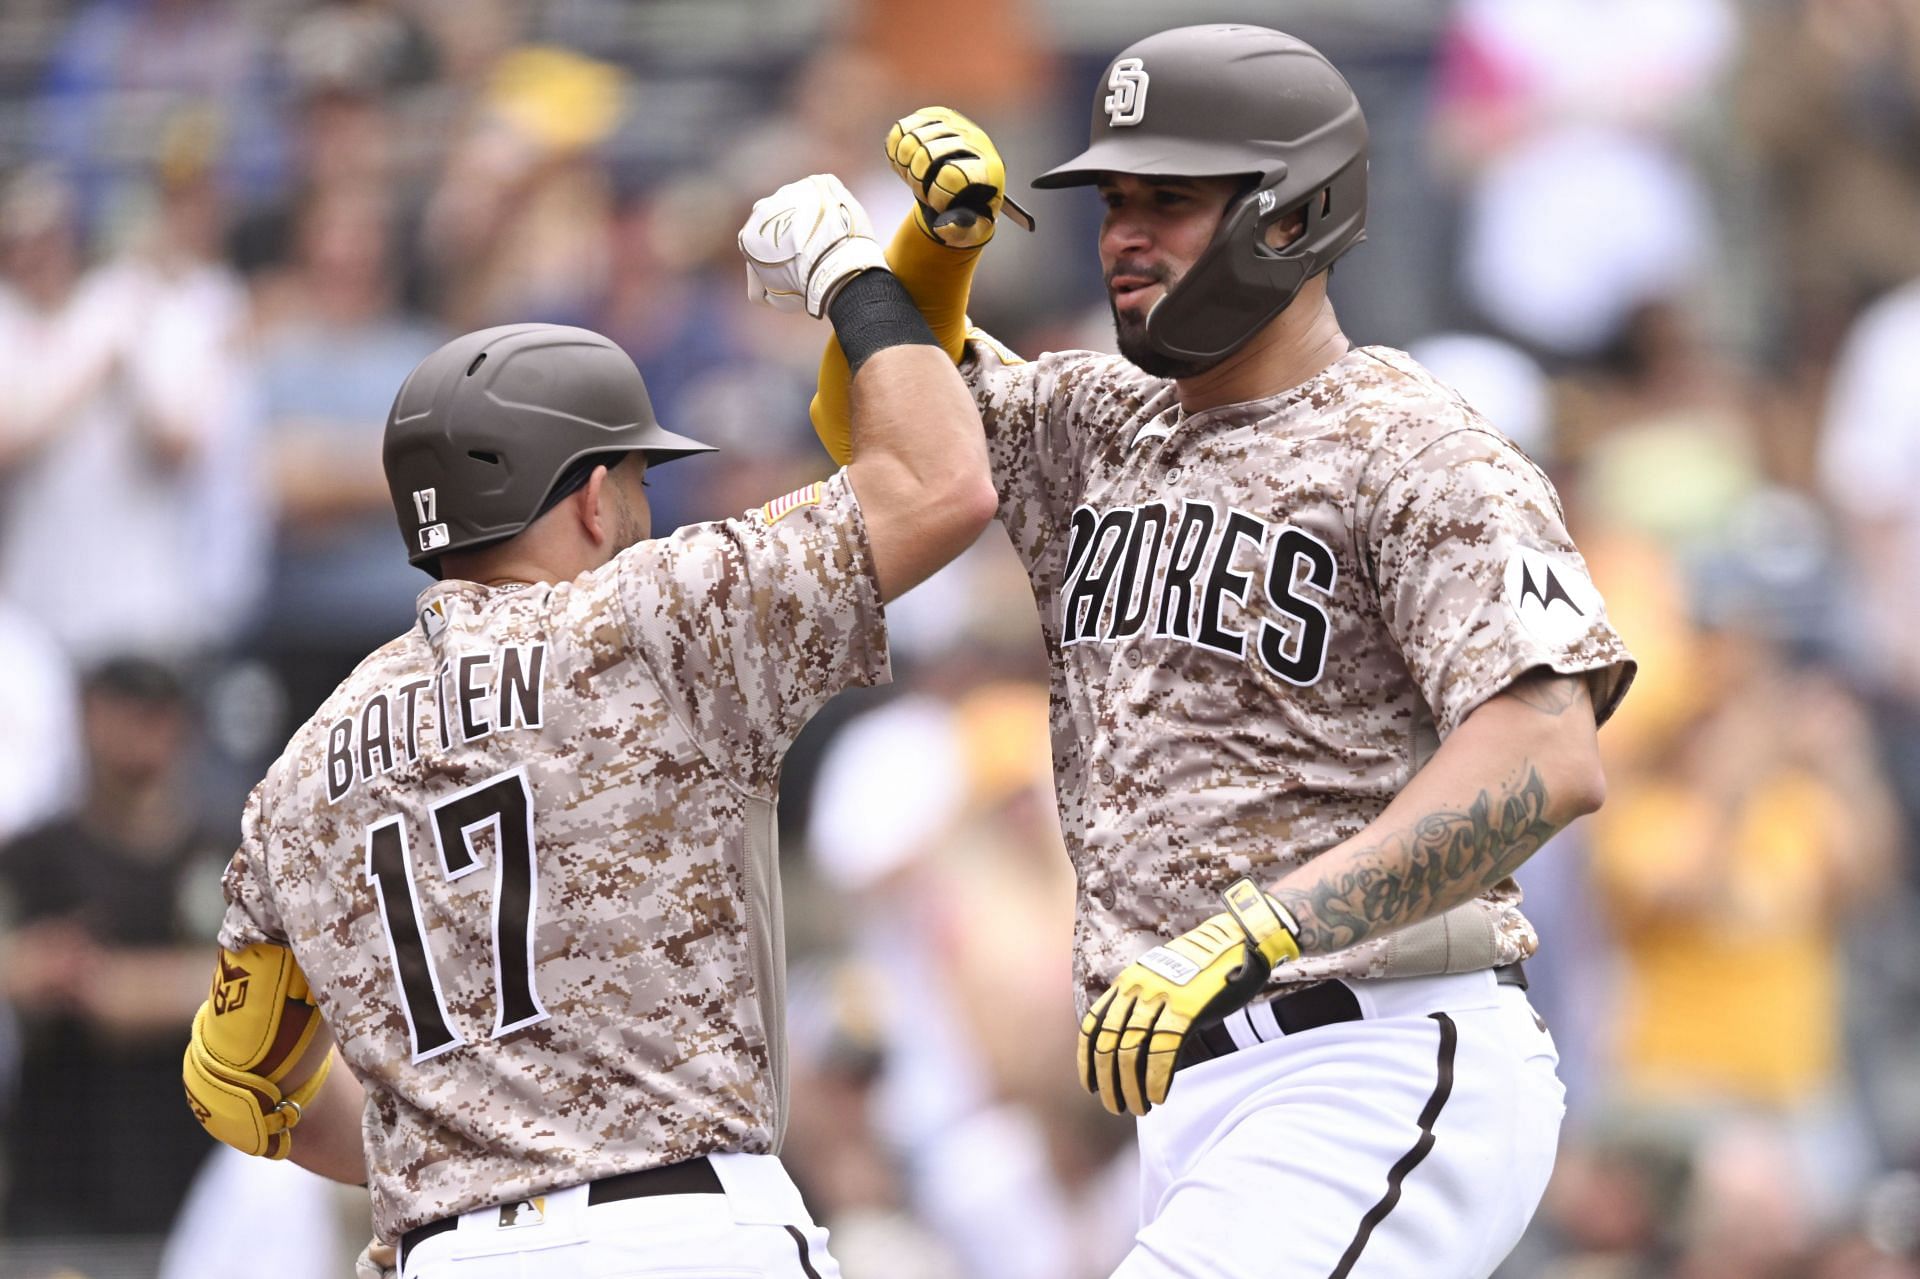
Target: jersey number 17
(504,802)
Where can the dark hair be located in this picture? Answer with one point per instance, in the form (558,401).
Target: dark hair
(575,478)
(138,679)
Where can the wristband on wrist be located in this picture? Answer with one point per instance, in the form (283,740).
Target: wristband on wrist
(872,312)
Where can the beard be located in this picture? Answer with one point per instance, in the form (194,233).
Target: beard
(1130,330)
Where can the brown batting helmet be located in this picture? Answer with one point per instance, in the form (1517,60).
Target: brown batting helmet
(486,427)
(1234,101)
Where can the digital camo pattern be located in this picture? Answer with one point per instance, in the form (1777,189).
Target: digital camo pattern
(669,685)
(1264,617)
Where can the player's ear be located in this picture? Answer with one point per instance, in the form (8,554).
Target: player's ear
(591,508)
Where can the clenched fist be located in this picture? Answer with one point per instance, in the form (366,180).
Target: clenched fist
(959,182)
(1131,1040)
(804,241)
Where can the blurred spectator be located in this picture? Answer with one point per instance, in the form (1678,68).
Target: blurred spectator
(106,963)
(1870,472)
(959,885)
(1730,864)
(124,68)
(1829,102)
(1565,116)
(131,506)
(318,1224)
(844,1168)
(1662,434)
(1503,383)
(516,227)
(328,370)
(342,62)
(39,735)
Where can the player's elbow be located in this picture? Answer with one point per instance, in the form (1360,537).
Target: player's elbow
(954,506)
(974,504)
(1580,783)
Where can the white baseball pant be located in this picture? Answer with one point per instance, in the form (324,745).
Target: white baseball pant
(1415,1141)
(757,1229)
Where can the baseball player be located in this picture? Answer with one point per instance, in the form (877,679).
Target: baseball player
(1327,669)
(522,862)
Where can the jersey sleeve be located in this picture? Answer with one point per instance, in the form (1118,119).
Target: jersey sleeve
(1030,444)
(1479,582)
(251,916)
(751,624)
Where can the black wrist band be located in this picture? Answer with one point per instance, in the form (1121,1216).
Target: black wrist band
(872,312)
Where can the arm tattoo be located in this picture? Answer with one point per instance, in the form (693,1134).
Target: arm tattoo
(1548,692)
(1444,859)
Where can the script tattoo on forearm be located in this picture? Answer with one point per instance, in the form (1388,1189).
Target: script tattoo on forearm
(1444,859)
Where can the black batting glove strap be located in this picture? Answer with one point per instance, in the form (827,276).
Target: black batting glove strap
(872,312)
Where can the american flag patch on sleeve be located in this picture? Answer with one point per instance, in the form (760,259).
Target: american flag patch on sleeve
(780,507)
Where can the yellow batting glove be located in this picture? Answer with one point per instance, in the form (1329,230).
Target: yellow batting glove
(1131,1040)
(958,180)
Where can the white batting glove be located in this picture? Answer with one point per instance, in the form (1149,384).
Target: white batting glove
(804,241)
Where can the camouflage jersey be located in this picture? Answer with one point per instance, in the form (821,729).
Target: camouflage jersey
(1263,618)
(525,856)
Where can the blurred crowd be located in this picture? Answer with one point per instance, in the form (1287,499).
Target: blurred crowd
(1671,247)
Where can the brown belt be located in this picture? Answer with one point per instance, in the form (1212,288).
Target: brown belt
(693,1177)
(1322,1004)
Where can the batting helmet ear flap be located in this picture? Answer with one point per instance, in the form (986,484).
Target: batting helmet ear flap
(1239,282)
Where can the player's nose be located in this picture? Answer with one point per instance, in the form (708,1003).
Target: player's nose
(1124,233)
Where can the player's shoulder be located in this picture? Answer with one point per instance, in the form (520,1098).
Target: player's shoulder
(669,573)
(1065,378)
(1404,418)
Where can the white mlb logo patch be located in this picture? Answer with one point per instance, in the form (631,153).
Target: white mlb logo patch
(433,537)
(781,507)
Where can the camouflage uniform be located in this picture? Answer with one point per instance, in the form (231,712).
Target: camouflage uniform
(1265,617)
(607,995)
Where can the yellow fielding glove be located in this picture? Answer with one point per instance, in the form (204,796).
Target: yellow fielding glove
(1131,1040)
(958,180)
(247,1038)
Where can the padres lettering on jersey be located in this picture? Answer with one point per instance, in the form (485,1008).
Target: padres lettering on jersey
(1115,582)
(1264,617)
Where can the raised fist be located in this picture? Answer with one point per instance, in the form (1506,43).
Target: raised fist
(959,183)
(804,241)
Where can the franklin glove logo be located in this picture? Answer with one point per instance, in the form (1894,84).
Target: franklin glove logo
(1127,104)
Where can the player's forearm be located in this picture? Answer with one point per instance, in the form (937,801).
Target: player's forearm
(328,1139)
(913,416)
(1516,771)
